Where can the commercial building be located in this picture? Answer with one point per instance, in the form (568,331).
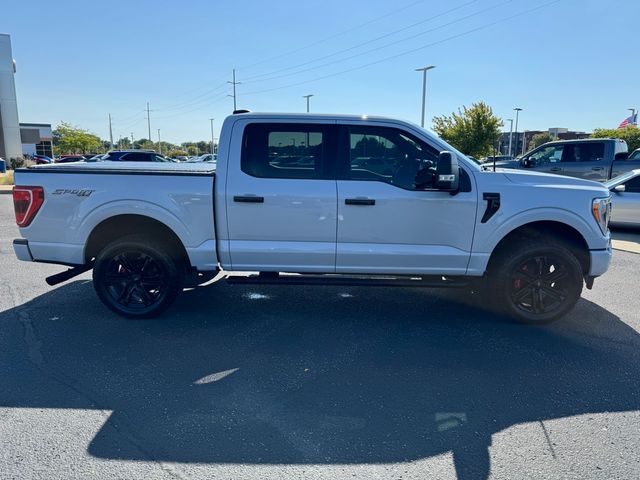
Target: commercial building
(36,138)
(520,141)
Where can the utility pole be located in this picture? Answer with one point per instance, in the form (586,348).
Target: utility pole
(149,121)
(510,134)
(110,132)
(308,97)
(517,110)
(234,83)
(212,139)
(424,89)
(159,144)
(131,139)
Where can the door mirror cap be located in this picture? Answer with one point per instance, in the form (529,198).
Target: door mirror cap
(527,163)
(619,188)
(447,172)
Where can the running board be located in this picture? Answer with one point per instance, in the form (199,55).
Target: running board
(274,278)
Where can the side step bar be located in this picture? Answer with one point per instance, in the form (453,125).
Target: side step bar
(274,278)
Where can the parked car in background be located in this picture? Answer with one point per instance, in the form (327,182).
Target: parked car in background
(134,156)
(497,158)
(206,158)
(70,158)
(635,155)
(598,159)
(625,199)
(182,158)
(41,159)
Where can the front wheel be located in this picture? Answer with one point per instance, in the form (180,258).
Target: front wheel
(536,281)
(136,277)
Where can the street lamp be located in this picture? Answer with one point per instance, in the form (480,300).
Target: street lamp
(159,144)
(308,97)
(424,88)
(510,120)
(517,110)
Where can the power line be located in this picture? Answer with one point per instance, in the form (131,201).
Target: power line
(439,27)
(331,37)
(407,52)
(426,20)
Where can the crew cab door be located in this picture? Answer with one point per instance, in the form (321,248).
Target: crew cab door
(281,197)
(586,160)
(387,224)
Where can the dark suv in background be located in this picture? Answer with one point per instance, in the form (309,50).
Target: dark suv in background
(134,156)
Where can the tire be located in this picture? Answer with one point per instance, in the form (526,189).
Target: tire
(536,281)
(137,277)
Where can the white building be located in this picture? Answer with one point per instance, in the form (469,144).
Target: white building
(10,142)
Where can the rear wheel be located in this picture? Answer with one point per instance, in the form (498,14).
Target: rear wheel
(536,281)
(137,278)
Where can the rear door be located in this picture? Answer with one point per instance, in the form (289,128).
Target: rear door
(585,160)
(386,222)
(626,205)
(281,197)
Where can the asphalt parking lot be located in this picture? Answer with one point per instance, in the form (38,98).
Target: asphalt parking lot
(274,382)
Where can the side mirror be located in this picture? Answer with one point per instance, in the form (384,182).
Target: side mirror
(619,188)
(527,163)
(447,172)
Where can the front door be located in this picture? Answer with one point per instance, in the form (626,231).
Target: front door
(281,202)
(388,220)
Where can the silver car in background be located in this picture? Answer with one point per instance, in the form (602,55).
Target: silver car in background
(625,199)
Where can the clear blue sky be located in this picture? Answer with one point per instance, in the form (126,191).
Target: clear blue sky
(573,63)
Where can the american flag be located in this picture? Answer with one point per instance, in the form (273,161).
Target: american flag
(632,120)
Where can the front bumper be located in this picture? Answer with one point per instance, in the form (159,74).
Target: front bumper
(600,261)
(21,248)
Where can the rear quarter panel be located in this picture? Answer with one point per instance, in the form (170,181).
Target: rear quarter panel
(60,230)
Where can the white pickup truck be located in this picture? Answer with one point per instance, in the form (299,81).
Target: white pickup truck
(317,199)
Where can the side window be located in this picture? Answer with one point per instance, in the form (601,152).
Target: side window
(390,155)
(584,152)
(284,150)
(551,154)
(633,185)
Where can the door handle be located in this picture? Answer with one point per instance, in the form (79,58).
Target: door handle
(359,201)
(597,169)
(555,169)
(248,199)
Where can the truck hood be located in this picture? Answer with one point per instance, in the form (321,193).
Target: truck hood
(549,180)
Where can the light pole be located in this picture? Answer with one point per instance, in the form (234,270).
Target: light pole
(510,120)
(633,116)
(424,88)
(517,110)
(211,120)
(308,97)
(159,144)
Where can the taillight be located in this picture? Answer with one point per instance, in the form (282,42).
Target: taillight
(26,203)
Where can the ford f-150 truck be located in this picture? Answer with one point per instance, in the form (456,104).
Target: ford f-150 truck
(598,159)
(292,200)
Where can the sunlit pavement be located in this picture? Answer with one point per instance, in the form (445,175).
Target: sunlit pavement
(321,382)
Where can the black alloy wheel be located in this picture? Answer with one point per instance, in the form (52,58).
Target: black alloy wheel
(137,278)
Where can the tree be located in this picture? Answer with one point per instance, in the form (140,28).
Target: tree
(630,134)
(474,131)
(70,139)
(539,139)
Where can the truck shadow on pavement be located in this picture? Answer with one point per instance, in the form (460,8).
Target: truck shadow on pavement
(322,375)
